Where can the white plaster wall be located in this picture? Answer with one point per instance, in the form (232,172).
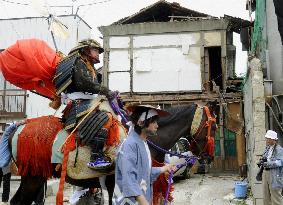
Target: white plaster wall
(161,62)
(119,42)
(212,38)
(166,69)
(177,39)
(119,60)
(119,81)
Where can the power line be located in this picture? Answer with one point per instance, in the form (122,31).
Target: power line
(13,2)
(27,4)
(95,2)
(89,6)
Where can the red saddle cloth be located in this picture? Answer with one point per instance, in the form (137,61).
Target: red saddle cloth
(34,146)
(29,62)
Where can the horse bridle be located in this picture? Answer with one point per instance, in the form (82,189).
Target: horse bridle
(208,124)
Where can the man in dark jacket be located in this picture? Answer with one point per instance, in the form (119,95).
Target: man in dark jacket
(78,83)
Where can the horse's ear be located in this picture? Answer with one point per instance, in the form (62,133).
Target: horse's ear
(212,105)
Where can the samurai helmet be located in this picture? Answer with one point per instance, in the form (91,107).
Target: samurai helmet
(91,43)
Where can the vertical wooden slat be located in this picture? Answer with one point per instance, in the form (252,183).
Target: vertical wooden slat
(222,148)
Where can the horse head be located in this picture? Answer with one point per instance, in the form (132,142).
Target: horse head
(196,123)
(203,131)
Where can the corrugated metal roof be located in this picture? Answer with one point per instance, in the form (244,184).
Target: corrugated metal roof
(161,11)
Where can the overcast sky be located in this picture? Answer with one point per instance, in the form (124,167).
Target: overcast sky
(105,12)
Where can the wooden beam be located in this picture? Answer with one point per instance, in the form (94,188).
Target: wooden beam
(178,98)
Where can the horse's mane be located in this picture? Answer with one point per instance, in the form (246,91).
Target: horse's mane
(176,113)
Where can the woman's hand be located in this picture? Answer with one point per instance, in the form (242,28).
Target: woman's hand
(168,168)
(142,200)
(22,122)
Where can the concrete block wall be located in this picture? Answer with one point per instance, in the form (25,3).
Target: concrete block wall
(254,113)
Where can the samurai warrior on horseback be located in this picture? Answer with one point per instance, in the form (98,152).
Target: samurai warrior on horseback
(71,80)
(78,82)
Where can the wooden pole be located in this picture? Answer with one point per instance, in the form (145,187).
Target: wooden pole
(221,132)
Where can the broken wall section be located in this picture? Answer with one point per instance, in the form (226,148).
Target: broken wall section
(254,113)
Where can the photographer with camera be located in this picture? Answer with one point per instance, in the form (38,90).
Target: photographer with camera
(271,169)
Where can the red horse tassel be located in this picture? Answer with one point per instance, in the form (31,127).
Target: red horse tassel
(69,145)
(160,186)
(34,146)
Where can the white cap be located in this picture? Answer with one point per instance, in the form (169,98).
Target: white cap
(271,135)
(150,113)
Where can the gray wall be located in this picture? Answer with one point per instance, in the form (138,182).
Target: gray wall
(274,47)
(274,57)
(254,113)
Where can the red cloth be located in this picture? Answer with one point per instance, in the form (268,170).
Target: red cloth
(29,61)
(34,147)
(69,145)
(210,146)
(160,186)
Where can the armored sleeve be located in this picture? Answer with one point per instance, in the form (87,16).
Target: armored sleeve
(84,81)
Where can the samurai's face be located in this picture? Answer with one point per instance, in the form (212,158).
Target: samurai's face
(94,55)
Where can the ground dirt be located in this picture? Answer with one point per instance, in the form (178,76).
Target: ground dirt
(200,189)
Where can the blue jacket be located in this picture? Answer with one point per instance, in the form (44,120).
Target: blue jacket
(133,174)
(4,147)
(276,166)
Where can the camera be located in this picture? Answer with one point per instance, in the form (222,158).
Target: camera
(260,165)
(261,161)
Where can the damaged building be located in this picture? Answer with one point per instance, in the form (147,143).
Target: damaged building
(170,55)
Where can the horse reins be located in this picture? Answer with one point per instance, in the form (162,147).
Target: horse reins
(189,159)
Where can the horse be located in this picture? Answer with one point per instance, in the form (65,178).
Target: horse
(180,123)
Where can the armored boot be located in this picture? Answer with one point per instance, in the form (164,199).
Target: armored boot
(97,159)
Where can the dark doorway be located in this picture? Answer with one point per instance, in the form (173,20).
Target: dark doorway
(213,65)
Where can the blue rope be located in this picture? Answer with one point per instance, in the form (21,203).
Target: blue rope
(190,160)
(117,109)
(168,188)
(168,152)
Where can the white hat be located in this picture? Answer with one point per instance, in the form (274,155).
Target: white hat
(146,115)
(271,135)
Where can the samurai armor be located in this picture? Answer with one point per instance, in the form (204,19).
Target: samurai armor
(91,126)
(64,73)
